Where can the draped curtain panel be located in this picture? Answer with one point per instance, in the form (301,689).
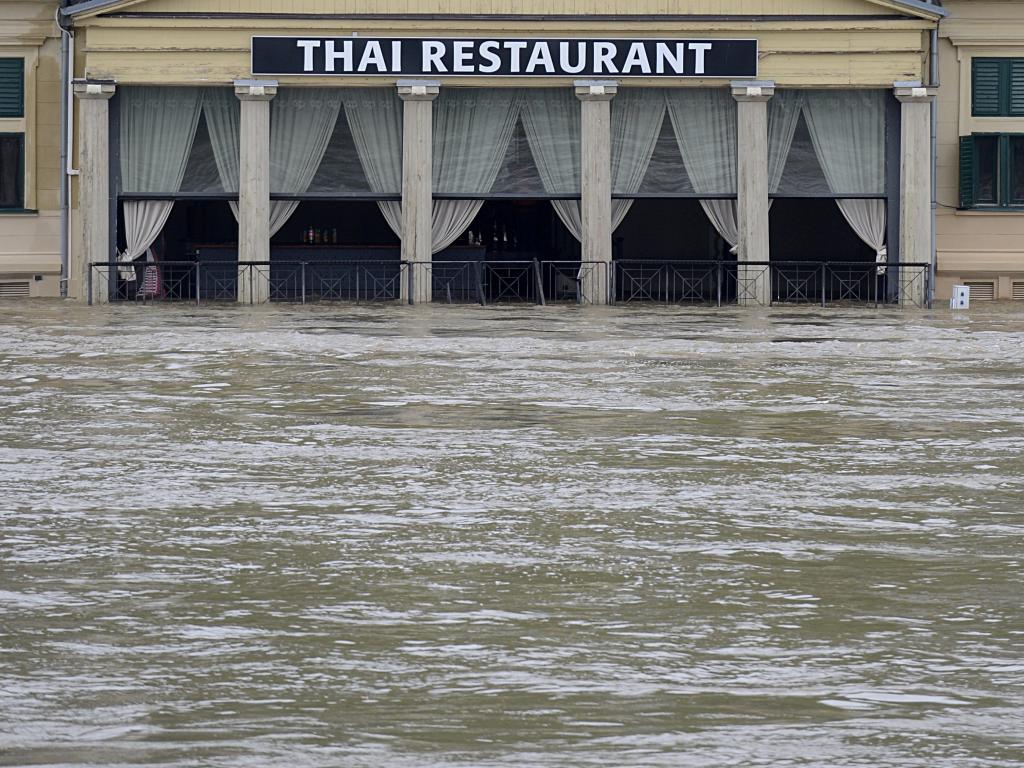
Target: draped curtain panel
(848,132)
(471,136)
(222,112)
(783,116)
(158,126)
(375,118)
(553,126)
(704,122)
(868,219)
(302,121)
(144,220)
(637,117)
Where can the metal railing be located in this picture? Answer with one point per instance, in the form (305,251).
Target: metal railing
(770,283)
(707,282)
(251,282)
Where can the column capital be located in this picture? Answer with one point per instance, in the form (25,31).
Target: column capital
(752,90)
(94,89)
(255,90)
(418,90)
(913,92)
(595,90)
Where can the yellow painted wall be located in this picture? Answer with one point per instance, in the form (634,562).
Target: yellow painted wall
(856,49)
(974,244)
(30,242)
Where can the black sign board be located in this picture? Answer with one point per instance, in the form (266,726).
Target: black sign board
(503,57)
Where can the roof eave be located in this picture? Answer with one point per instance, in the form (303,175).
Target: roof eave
(917,7)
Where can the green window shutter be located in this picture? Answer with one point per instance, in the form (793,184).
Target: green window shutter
(966,171)
(1017,87)
(986,87)
(12,87)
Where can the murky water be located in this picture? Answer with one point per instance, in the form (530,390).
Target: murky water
(373,536)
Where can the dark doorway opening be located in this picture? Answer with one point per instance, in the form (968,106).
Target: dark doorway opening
(818,258)
(668,251)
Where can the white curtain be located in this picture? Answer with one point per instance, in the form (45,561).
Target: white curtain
(704,122)
(144,220)
(375,119)
(472,131)
(301,123)
(783,116)
(848,132)
(158,126)
(867,217)
(449,219)
(222,111)
(552,122)
(637,116)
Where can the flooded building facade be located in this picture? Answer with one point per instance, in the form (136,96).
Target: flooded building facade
(446,151)
(981,149)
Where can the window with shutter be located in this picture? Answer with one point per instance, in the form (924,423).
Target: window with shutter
(986,87)
(986,170)
(966,171)
(12,87)
(1016,88)
(992,171)
(12,173)
(1016,170)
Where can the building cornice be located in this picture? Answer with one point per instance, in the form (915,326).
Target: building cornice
(918,8)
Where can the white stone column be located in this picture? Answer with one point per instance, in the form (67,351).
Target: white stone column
(93,188)
(915,188)
(417,184)
(596,186)
(254,188)
(754,283)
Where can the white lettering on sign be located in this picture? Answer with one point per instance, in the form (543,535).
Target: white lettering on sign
(581,58)
(433,53)
(700,49)
(604,58)
(637,57)
(516,48)
(541,57)
(665,56)
(504,57)
(489,51)
(307,47)
(373,55)
(463,56)
(331,58)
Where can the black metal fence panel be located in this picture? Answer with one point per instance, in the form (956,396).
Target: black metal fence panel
(714,283)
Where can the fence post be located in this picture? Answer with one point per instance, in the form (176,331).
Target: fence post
(824,268)
(88,281)
(303,276)
(718,282)
(540,283)
(198,283)
(478,271)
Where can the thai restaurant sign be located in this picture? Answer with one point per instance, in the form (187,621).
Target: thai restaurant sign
(503,57)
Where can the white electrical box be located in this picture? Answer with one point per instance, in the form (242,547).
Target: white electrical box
(961,297)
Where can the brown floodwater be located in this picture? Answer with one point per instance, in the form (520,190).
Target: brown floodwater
(383,536)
